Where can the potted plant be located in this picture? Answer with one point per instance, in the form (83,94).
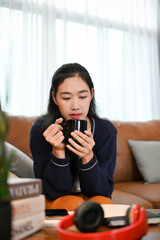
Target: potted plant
(5,205)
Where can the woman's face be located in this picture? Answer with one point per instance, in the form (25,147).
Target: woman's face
(73,98)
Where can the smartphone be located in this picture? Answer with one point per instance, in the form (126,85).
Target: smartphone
(56,212)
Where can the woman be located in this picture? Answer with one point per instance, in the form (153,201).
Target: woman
(74,172)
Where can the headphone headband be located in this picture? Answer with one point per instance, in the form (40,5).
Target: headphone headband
(133,231)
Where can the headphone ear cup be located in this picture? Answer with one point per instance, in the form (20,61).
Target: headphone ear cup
(88,216)
(132,214)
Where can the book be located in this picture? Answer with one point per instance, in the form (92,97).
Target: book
(27,206)
(153,216)
(115,213)
(114,210)
(24,227)
(24,187)
(110,210)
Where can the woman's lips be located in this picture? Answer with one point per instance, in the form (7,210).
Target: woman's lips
(75,116)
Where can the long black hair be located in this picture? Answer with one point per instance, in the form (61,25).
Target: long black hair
(66,71)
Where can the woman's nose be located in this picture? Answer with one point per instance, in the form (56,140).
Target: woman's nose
(74,104)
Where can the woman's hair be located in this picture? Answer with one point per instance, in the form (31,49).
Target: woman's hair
(66,71)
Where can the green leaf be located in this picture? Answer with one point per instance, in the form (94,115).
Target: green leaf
(5,162)
(4,193)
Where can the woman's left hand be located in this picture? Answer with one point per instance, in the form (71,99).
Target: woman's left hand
(84,150)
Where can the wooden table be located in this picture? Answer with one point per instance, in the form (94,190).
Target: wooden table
(48,233)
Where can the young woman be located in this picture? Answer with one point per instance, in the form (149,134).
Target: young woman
(74,172)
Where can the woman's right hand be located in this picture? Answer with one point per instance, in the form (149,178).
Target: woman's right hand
(54,135)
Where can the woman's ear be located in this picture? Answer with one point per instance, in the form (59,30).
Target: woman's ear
(54,99)
(92,92)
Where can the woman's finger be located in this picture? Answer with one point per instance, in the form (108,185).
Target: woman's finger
(83,139)
(74,150)
(59,120)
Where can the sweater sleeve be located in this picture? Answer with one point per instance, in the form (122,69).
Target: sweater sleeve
(54,172)
(96,177)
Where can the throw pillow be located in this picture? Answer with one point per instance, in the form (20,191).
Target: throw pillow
(22,165)
(147,156)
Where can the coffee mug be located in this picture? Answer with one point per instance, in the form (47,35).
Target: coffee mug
(71,125)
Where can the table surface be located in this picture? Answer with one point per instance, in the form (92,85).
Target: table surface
(48,233)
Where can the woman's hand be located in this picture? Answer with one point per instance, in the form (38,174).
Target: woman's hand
(84,150)
(54,135)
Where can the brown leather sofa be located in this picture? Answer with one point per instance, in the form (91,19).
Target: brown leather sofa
(129,185)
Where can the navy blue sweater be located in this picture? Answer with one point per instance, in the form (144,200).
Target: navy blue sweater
(96,177)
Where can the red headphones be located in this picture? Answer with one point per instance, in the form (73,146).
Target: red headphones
(89,216)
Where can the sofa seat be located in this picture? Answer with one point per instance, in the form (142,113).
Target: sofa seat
(148,192)
(122,197)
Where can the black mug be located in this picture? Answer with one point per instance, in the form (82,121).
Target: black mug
(71,125)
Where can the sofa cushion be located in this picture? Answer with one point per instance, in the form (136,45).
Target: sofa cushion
(22,165)
(122,197)
(19,132)
(147,156)
(149,192)
(126,168)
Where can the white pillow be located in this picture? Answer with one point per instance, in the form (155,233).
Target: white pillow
(22,165)
(147,156)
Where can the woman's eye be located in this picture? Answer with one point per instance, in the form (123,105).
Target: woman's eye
(82,97)
(66,99)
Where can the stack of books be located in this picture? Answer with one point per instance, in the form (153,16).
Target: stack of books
(28,206)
